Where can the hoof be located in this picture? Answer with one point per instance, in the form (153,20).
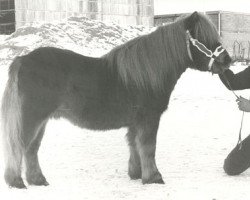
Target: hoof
(13,180)
(135,176)
(134,173)
(156,178)
(159,181)
(17,183)
(37,180)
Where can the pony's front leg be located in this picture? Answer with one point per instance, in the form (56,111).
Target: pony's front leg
(134,163)
(146,144)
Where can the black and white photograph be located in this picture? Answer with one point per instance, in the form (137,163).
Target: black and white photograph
(124,99)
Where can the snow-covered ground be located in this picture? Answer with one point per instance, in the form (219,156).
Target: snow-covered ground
(195,135)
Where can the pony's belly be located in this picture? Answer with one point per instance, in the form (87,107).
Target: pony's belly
(97,118)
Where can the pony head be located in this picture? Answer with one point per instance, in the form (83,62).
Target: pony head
(203,45)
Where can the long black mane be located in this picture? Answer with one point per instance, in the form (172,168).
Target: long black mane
(146,61)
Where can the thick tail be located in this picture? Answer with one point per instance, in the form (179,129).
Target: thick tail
(12,124)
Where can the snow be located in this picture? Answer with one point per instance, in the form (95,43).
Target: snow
(195,135)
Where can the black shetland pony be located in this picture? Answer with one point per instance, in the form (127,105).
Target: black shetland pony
(128,87)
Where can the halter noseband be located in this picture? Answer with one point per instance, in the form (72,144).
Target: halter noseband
(202,48)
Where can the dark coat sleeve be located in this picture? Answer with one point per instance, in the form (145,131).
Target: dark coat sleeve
(237,81)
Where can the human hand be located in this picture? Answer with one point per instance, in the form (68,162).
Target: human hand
(243,104)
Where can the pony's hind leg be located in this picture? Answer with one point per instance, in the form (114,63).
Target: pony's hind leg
(146,144)
(134,164)
(34,118)
(34,175)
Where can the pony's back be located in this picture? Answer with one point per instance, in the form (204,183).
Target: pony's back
(146,61)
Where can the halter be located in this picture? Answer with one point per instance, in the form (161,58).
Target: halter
(202,48)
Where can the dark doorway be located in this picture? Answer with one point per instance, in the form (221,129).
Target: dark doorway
(7,16)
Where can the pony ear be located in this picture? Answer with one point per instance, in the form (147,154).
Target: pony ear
(191,20)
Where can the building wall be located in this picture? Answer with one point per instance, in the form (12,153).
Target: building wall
(235,33)
(214,17)
(169,18)
(29,11)
(124,12)
(160,20)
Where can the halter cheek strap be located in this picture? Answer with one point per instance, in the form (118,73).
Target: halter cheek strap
(202,48)
(215,54)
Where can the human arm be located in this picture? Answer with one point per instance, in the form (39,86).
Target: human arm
(237,81)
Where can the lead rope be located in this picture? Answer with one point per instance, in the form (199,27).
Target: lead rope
(241,124)
(242,117)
